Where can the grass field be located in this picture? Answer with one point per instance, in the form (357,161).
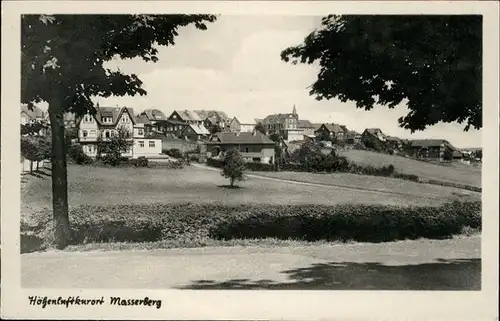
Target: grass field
(106,186)
(456,173)
(378,183)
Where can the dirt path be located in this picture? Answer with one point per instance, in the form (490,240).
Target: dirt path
(407,265)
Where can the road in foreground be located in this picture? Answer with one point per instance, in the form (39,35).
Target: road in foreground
(408,265)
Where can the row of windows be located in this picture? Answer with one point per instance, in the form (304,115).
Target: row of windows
(151,143)
(108,133)
(105,120)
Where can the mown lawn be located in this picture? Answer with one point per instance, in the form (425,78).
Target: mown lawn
(461,174)
(112,186)
(378,183)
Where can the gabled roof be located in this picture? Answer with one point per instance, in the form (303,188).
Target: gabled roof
(154,114)
(275,118)
(334,128)
(373,131)
(393,138)
(198,129)
(188,115)
(142,119)
(114,112)
(317,126)
(429,142)
(303,123)
(32,114)
(241,138)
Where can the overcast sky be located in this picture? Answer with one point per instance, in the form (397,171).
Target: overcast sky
(235,66)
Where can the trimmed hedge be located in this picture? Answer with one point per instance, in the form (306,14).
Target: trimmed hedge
(259,167)
(365,223)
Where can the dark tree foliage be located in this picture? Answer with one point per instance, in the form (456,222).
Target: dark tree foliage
(62,60)
(434,63)
(260,127)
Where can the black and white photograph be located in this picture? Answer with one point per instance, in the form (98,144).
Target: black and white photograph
(249,153)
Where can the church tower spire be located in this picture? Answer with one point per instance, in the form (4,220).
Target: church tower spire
(294,111)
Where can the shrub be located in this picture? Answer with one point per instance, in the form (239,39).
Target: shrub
(76,154)
(358,222)
(142,162)
(193,158)
(173,152)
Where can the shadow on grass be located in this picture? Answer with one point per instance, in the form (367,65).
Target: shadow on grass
(459,274)
(230,187)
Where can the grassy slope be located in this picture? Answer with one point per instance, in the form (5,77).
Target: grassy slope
(91,185)
(456,173)
(379,183)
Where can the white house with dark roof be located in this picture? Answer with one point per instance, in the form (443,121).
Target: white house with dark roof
(254,146)
(106,123)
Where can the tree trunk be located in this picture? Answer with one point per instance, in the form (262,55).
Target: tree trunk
(37,166)
(31,166)
(62,232)
(232,181)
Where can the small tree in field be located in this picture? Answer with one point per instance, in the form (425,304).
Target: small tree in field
(233,166)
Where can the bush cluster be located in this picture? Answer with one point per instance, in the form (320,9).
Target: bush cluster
(259,167)
(76,154)
(173,152)
(357,222)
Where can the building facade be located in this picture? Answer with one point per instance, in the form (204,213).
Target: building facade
(109,122)
(254,147)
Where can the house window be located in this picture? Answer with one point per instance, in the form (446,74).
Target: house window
(113,133)
(106,134)
(246,149)
(256,160)
(93,132)
(141,143)
(84,133)
(152,143)
(140,132)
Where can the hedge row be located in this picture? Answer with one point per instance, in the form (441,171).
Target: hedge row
(365,223)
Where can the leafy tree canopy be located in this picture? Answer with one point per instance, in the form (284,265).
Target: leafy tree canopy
(63,55)
(434,63)
(260,128)
(233,166)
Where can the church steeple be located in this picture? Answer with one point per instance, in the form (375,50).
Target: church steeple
(294,111)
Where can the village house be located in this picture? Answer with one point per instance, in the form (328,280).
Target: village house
(195,132)
(235,125)
(285,125)
(394,143)
(332,130)
(213,118)
(254,147)
(307,127)
(186,116)
(353,137)
(375,132)
(152,119)
(433,149)
(106,123)
(30,116)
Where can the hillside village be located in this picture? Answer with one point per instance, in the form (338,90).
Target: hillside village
(213,132)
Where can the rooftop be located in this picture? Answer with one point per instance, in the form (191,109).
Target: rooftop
(240,138)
